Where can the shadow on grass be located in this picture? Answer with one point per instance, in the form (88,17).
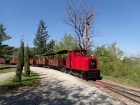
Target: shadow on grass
(35,74)
(26,81)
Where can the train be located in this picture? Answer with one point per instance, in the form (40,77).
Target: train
(77,63)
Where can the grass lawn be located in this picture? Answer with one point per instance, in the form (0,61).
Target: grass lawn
(5,69)
(26,81)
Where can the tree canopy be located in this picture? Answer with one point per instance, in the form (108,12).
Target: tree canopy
(67,43)
(50,46)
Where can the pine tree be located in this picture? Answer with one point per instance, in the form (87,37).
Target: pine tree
(20,63)
(6,51)
(26,63)
(41,38)
(3,37)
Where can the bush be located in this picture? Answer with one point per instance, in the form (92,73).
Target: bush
(111,64)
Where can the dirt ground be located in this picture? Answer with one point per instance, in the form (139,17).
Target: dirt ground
(57,88)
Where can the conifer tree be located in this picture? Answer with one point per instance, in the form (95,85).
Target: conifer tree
(4,49)
(26,63)
(20,63)
(41,38)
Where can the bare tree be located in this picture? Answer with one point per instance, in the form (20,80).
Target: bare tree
(76,15)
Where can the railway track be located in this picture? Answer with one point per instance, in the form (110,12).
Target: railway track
(131,94)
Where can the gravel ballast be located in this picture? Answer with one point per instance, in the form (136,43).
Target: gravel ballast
(57,88)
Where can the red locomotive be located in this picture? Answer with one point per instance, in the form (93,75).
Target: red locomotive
(77,61)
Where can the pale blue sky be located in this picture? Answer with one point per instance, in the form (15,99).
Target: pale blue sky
(117,21)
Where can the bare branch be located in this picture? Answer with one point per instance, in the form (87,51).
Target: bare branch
(76,13)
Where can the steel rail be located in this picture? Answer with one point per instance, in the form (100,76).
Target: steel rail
(133,95)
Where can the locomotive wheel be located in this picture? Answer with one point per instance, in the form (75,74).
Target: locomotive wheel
(86,76)
(70,72)
(82,74)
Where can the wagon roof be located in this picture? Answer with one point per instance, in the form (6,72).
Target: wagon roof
(62,52)
(53,53)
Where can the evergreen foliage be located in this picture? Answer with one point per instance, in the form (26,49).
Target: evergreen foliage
(5,50)
(41,38)
(26,63)
(20,63)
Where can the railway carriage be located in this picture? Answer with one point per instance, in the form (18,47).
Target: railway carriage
(4,62)
(41,62)
(32,62)
(13,62)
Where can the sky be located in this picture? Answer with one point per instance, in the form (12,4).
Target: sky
(114,21)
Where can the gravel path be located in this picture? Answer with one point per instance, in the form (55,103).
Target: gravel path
(4,76)
(57,88)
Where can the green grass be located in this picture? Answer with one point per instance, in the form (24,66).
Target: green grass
(26,81)
(123,81)
(5,69)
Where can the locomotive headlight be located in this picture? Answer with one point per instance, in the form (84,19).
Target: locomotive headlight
(92,64)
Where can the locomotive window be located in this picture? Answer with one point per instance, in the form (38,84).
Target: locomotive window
(77,53)
(83,53)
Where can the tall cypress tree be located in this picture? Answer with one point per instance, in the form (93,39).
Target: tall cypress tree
(20,63)
(41,38)
(26,63)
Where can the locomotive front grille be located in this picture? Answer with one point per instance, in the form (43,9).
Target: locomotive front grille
(92,64)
